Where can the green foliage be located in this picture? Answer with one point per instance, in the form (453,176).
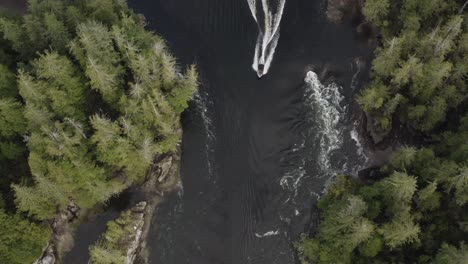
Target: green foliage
(451,255)
(88,99)
(12,129)
(408,216)
(429,198)
(95,51)
(110,249)
(403,157)
(371,247)
(59,157)
(12,124)
(20,240)
(7,83)
(81,151)
(419,72)
(399,188)
(460,184)
(376,11)
(419,79)
(400,231)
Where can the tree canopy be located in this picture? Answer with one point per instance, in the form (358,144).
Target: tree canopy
(417,210)
(88,99)
(419,72)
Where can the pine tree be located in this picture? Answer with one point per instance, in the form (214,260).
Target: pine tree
(376,11)
(402,158)
(429,198)
(399,187)
(20,240)
(401,230)
(460,184)
(12,126)
(94,49)
(7,83)
(449,254)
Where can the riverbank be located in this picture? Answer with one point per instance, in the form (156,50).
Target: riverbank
(162,179)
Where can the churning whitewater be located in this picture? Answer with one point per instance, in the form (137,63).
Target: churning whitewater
(314,158)
(267,15)
(321,137)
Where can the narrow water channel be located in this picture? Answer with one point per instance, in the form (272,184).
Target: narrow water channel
(257,153)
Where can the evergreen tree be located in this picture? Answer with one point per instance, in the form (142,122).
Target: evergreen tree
(89,152)
(422,60)
(451,255)
(88,99)
(20,240)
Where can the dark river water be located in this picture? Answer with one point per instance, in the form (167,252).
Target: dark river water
(257,153)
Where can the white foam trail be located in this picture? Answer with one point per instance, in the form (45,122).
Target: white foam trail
(268,34)
(292,179)
(323,103)
(253,8)
(267,234)
(355,136)
(360,150)
(326,99)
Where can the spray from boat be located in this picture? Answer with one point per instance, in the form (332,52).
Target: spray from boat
(267,15)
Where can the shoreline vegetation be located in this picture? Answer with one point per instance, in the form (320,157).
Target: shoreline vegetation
(125,238)
(414,207)
(90,105)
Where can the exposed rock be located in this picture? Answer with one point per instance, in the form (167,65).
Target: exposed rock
(164,167)
(61,239)
(138,221)
(48,256)
(162,178)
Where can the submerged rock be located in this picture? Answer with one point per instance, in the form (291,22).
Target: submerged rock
(338,9)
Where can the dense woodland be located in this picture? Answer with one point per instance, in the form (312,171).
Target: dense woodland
(416,209)
(88,99)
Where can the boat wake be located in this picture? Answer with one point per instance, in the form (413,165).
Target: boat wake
(267,15)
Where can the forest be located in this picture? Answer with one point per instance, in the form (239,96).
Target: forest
(88,99)
(414,209)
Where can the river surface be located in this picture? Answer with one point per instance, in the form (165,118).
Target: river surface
(257,153)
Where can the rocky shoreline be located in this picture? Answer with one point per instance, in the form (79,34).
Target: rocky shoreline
(162,179)
(61,235)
